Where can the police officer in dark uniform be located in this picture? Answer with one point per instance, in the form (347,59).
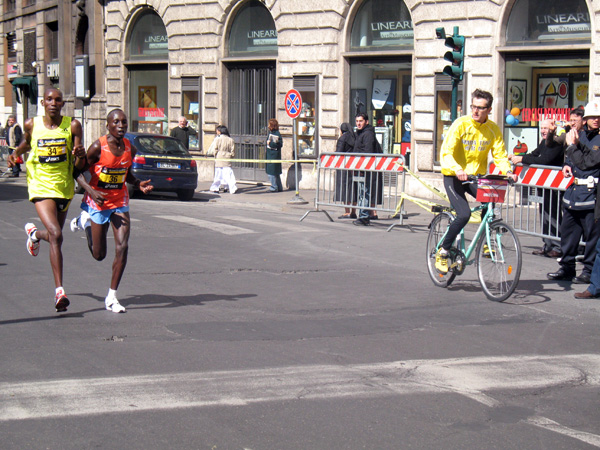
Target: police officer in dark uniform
(579,202)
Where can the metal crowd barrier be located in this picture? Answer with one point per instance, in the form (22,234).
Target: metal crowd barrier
(342,177)
(533,205)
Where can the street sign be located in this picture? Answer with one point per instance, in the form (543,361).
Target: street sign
(293,103)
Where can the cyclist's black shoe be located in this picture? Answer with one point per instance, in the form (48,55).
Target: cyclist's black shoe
(561,274)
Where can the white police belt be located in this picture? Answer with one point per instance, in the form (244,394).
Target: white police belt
(590,181)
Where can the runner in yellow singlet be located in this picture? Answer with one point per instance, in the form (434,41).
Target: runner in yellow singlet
(55,145)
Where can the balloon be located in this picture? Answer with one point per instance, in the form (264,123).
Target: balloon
(510,120)
(506,113)
(516,121)
(515,111)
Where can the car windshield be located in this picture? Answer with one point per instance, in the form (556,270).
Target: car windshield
(158,145)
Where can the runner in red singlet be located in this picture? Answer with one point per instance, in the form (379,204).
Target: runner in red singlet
(106,200)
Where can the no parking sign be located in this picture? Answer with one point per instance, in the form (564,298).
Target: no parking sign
(293,103)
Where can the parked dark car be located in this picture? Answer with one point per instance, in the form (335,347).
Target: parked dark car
(166,162)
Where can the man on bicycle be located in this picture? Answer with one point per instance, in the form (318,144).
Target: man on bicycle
(465,151)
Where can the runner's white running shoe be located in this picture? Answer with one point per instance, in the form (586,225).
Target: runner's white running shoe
(79,222)
(112,304)
(75,226)
(33,246)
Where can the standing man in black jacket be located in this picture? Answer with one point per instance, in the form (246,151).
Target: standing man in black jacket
(365,142)
(579,200)
(548,153)
(183,132)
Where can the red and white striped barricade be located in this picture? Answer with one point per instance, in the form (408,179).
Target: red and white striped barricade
(534,206)
(340,176)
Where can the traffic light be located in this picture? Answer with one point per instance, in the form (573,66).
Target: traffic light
(456,56)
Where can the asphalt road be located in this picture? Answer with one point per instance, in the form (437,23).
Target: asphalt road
(248,329)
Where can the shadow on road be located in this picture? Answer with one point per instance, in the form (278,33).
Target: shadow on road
(150,301)
(528,292)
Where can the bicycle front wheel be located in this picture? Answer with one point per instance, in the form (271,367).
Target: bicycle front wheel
(437,230)
(499,262)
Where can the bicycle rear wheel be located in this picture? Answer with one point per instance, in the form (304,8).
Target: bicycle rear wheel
(437,229)
(499,262)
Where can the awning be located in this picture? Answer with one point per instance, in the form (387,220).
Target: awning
(29,87)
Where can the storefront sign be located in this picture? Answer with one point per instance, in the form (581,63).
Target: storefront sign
(562,23)
(157,42)
(538,114)
(151,112)
(262,37)
(393,30)
(53,69)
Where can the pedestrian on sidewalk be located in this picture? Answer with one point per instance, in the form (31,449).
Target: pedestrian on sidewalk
(13,135)
(56,145)
(549,152)
(344,186)
(224,150)
(274,144)
(366,142)
(579,199)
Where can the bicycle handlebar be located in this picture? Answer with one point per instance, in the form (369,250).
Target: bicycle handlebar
(473,178)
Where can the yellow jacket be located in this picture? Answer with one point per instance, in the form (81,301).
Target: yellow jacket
(467,144)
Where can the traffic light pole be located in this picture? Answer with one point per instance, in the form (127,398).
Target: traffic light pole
(454,100)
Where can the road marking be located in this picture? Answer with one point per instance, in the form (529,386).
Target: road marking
(213,226)
(469,377)
(287,226)
(551,425)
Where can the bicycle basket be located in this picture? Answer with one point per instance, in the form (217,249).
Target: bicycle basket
(489,190)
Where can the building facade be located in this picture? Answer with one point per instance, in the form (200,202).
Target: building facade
(232,62)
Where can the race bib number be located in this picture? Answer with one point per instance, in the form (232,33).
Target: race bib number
(52,151)
(112,178)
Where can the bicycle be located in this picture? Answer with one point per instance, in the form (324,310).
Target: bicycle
(496,247)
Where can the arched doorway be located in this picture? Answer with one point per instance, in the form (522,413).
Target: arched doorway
(380,84)
(147,63)
(543,78)
(252,52)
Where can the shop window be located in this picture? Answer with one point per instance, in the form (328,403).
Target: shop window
(307,124)
(52,41)
(382,23)
(190,108)
(253,31)
(148,38)
(382,90)
(538,86)
(443,109)
(148,97)
(548,22)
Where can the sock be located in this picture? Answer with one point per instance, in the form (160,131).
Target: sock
(112,294)
(33,236)
(60,291)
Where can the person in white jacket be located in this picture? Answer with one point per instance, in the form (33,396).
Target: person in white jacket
(223,148)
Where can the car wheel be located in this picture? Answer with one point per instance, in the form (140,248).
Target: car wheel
(185,194)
